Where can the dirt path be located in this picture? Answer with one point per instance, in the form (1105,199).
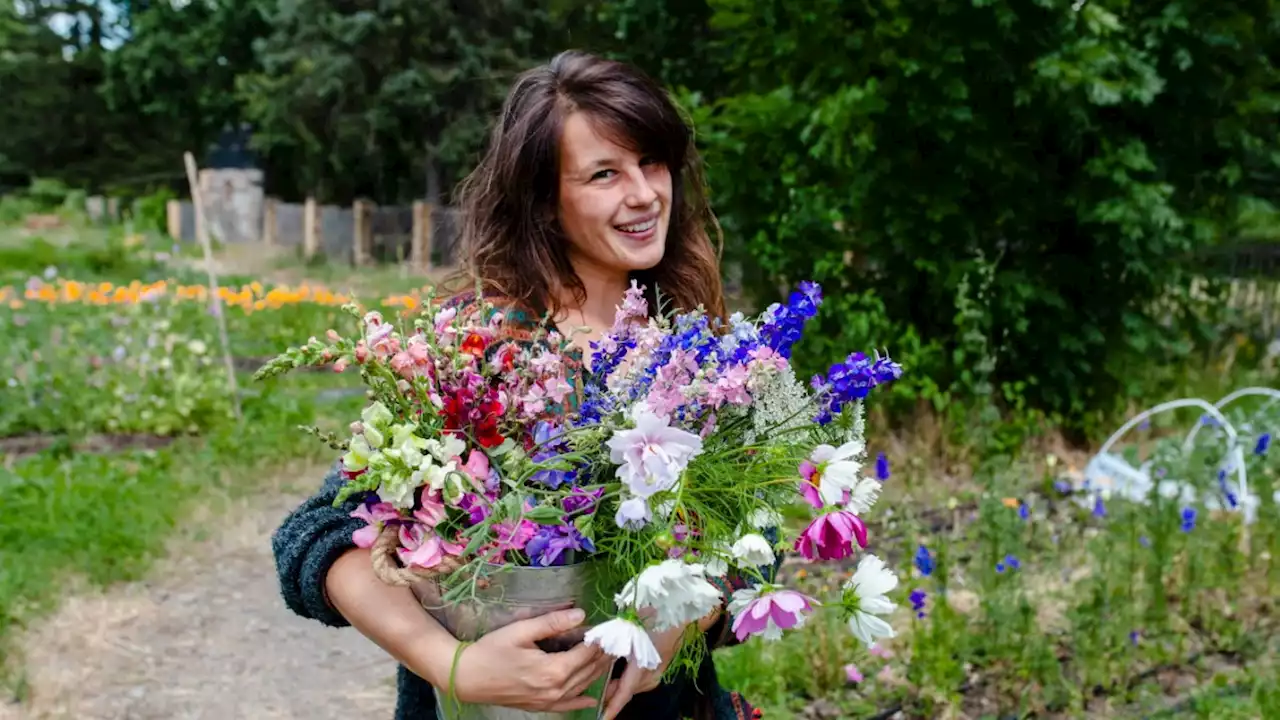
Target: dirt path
(206,636)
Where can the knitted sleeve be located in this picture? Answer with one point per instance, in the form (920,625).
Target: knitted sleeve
(306,545)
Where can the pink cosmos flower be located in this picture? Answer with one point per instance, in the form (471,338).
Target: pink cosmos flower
(769,614)
(376,515)
(423,548)
(652,455)
(809,485)
(830,536)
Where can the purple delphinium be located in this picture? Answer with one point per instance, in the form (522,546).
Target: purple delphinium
(924,561)
(851,380)
(1099,508)
(1264,443)
(882,467)
(917,598)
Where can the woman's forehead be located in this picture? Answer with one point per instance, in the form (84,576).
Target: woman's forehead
(586,144)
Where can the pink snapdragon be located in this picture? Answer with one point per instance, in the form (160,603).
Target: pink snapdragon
(831,536)
(768,614)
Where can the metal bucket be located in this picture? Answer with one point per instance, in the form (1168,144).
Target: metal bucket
(520,593)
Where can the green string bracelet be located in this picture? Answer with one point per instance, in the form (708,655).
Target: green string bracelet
(453,672)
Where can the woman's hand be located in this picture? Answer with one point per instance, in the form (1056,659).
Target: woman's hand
(506,667)
(636,680)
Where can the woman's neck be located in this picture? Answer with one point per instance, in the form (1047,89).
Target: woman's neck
(604,291)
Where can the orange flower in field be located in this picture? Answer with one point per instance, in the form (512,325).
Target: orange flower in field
(1011,503)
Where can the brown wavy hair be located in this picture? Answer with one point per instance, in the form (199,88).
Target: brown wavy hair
(511,235)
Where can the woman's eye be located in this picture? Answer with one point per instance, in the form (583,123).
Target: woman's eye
(648,161)
(603,174)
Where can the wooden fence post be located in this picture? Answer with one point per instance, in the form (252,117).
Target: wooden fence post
(173,219)
(361,232)
(269,229)
(310,228)
(420,247)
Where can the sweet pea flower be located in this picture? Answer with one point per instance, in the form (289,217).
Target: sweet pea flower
(633,514)
(376,514)
(831,536)
(768,613)
(652,455)
(423,548)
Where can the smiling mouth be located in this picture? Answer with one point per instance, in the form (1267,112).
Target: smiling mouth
(640,227)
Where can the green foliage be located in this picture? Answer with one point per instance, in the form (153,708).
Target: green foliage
(1040,601)
(884,148)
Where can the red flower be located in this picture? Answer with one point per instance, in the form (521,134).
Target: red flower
(474,345)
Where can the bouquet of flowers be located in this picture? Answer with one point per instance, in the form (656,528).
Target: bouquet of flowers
(662,457)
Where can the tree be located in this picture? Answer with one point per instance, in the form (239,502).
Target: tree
(368,102)
(898,147)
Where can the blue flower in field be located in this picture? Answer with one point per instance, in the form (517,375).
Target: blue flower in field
(924,561)
(1188,519)
(882,467)
(1264,442)
(1232,501)
(1209,420)
(1024,512)
(917,598)
(1062,486)
(1000,567)
(1133,637)
(1144,541)
(1012,562)
(1099,508)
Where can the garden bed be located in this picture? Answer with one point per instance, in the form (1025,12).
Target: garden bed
(18,446)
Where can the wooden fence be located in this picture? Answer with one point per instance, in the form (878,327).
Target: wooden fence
(422,234)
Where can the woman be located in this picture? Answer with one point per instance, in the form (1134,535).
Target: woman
(590,181)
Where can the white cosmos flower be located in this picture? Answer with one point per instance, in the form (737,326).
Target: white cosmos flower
(652,455)
(623,638)
(864,597)
(839,469)
(677,591)
(863,495)
(753,551)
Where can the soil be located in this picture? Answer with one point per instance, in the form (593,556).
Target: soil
(16,446)
(205,636)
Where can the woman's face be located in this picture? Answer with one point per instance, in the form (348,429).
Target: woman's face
(615,205)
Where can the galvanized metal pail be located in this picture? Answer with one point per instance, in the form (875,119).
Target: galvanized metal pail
(520,593)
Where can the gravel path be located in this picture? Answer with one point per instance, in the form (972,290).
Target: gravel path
(205,636)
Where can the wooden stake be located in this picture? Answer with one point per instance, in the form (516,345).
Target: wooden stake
(215,301)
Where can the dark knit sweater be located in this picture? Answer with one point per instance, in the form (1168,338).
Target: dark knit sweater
(314,535)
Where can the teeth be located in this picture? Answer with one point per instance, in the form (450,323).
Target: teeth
(639,227)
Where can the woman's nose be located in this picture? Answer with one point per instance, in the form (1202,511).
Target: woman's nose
(642,193)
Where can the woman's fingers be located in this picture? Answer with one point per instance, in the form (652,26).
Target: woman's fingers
(587,675)
(619,693)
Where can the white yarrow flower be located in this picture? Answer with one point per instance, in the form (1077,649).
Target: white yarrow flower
(864,597)
(753,551)
(677,591)
(623,638)
(652,455)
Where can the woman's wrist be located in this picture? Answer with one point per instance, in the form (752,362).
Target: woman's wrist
(431,657)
